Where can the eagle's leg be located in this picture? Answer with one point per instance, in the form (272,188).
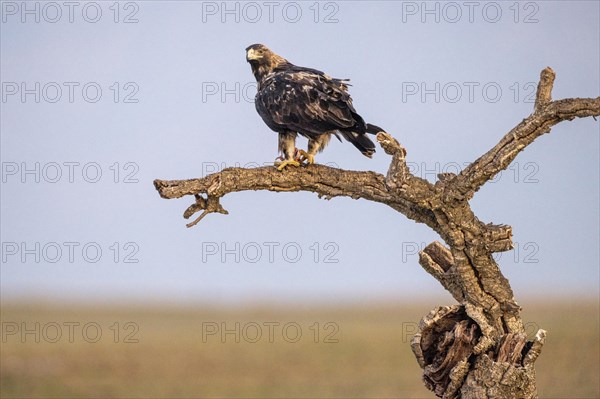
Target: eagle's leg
(287,147)
(314,145)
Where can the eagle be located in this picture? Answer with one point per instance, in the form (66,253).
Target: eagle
(296,100)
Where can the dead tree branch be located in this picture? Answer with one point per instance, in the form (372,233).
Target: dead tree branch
(476,349)
(547,113)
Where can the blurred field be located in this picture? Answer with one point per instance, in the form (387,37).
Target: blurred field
(372,357)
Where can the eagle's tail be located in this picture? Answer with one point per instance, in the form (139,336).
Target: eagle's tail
(374,129)
(360,141)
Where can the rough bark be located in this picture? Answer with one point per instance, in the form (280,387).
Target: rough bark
(478,348)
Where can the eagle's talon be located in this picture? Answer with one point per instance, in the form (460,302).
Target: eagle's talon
(296,156)
(283,164)
(305,156)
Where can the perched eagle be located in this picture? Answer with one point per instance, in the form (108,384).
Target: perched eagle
(292,99)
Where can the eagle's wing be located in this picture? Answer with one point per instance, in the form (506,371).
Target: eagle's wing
(308,102)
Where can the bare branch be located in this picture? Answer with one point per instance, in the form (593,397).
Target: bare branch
(437,260)
(327,182)
(210,205)
(323,180)
(547,114)
(536,348)
(399,179)
(398,171)
(544,89)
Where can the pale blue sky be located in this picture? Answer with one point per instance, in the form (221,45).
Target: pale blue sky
(177,129)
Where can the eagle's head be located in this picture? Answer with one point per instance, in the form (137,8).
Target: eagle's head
(262,60)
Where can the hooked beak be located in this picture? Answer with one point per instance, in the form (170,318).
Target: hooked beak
(252,55)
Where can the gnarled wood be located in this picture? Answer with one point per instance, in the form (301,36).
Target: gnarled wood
(476,349)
